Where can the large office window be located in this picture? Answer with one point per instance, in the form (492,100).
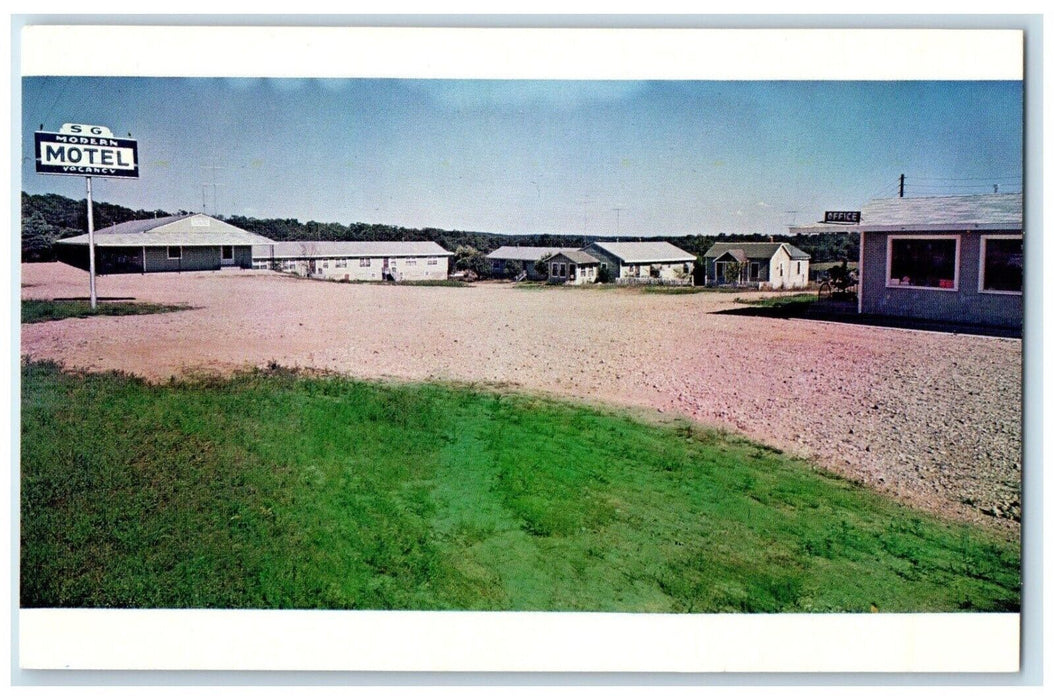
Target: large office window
(928,262)
(1002,264)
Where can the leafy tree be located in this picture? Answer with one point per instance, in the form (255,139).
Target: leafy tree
(38,236)
(733,271)
(513,268)
(699,271)
(469,258)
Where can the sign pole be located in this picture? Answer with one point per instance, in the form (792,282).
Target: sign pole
(91,247)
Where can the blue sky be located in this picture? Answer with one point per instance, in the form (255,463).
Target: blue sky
(601,158)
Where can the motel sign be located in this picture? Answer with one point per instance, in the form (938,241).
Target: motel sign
(86,150)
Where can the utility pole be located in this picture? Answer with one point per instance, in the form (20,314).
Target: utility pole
(215,206)
(902,185)
(618,217)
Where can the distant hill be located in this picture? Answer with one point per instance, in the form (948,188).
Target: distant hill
(47,218)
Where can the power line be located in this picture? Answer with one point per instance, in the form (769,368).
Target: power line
(951,186)
(886,190)
(964,179)
(61,92)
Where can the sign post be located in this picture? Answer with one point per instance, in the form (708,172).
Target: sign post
(86,149)
(91,248)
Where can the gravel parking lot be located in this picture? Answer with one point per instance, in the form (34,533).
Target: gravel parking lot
(932,418)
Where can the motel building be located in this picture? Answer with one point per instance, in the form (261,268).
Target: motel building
(182,243)
(643,262)
(356,261)
(956,259)
(525,258)
(757,264)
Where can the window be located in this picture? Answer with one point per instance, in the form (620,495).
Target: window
(433,261)
(411,261)
(926,262)
(798,271)
(755,270)
(364,262)
(342,262)
(1002,264)
(325,263)
(175,252)
(227,252)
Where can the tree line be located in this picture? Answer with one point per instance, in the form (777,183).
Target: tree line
(47,218)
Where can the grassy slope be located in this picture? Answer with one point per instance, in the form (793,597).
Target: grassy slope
(279,491)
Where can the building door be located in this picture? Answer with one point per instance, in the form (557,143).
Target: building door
(226,255)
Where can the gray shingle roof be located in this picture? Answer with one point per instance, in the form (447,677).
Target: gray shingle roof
(644,251)
(524,253)
(737,254)
(810,229)
(579,257)
(350,249)
(966,211)
(756,251)
(187,230)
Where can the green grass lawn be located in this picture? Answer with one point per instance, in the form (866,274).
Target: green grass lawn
(670,289)
(802,300)
(278,490)
(39,310)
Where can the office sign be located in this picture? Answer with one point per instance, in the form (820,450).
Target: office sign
(86,150)
(841,217)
